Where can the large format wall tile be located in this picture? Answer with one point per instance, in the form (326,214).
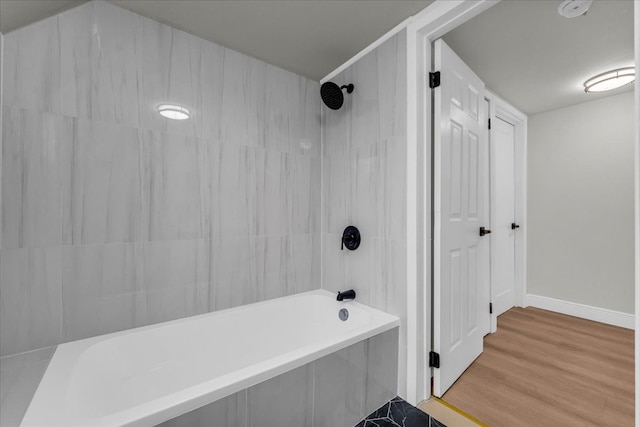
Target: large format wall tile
(30,294)
(176,281)
(175,187)
(270,192)
(99,284)
(31,178)
(153,219)
(76,41)
(171,70)
(304,263)
(280,86)
(31,67)
(231,190)
(355,380)
(231,277)
(228,412)
(115,51)
(364,183)
(101,186)
(270,266)
(286,400)
(304,182)
(337,390)
(243,100)
(304,123)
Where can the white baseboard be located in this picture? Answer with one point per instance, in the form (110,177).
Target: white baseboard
(602,315)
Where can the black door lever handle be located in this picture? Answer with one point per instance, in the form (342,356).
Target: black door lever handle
(514,226)
(484,231)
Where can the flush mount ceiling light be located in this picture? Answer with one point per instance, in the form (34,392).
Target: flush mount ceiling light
(610,80)
(573,8)
(174,112)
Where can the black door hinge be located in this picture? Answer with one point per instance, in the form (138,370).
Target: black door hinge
(489,124)
(490,308)
(434,359)
(434,79)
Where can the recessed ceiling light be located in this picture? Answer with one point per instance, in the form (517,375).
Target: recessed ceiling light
(573,8)
(174,112)
(610,80)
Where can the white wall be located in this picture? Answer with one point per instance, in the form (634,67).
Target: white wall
(580,204)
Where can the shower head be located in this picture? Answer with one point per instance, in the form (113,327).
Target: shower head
(332,95)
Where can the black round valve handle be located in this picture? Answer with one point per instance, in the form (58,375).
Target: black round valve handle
(351,238)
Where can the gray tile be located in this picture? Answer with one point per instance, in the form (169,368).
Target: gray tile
(232,276)
(270,259)
(364,103)
(30,293)
(101,190)
(392,87)
(393,184)
(279,90)
(99,285)
(286,400)
(228,412)
(31,178)
(336,191)
(270,192)
(212,88)
(76,42)
(243,100)
(176,281)
(171,71)
(340,387)
(304,181)
(19,379)
(175,187)
(334,270)
(382,372)
(116,47)
(31,67)
(304,263)
(304,104)
(364,206)
(232,190)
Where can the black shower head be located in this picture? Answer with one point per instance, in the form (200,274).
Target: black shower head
(332,95)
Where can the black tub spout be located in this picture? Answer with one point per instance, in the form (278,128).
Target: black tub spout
(350,294)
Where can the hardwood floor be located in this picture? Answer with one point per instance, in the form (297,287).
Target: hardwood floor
(543,368)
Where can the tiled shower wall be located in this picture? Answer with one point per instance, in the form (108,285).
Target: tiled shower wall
(364,184)
(113,217)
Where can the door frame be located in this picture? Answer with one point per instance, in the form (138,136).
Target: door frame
(434,21)
(501,109)
(430,24)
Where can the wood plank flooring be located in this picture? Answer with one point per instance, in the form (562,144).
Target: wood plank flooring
(543,368)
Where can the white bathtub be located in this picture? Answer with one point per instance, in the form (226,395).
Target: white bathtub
(144,376)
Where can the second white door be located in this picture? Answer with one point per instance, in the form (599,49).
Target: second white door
(502,217)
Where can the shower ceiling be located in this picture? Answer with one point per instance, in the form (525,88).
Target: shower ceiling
(308,37)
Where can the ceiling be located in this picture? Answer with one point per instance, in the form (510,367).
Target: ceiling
(536,59)
(18,13)
(308,37)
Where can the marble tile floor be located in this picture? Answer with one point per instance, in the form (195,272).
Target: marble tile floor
(399,413)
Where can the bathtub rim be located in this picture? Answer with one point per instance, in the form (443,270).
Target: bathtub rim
(185,400)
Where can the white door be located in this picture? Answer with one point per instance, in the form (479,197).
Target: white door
(459,300)
(502,217)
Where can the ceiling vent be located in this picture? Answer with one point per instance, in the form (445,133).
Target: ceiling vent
(573,8)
